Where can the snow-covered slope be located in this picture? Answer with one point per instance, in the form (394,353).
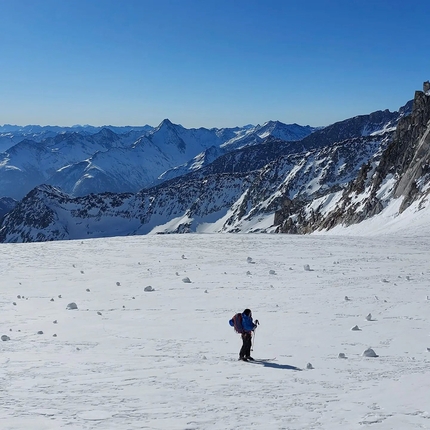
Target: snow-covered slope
(166,359)
(199,161)
(117,170)
(29,163)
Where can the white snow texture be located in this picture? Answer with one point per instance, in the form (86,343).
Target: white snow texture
(126,359)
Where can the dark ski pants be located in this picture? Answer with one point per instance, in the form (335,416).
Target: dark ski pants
(245,351)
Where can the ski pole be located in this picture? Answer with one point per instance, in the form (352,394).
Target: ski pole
(253,340)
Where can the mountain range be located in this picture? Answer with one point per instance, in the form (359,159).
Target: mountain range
(270,178)
(80,163)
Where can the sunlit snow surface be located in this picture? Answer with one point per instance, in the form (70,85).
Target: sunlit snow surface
(167,359)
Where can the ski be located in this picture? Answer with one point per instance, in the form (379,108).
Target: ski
(259,360)
(262,360)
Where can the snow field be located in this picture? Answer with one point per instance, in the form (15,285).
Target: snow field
(167,359)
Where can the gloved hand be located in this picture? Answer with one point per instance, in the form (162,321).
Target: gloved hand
(257,322)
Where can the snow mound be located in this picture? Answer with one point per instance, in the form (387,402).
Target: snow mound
(369,352)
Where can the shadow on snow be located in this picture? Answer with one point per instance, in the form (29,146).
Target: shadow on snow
(275,365)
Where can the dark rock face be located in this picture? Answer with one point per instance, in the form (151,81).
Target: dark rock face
(405,157)
(415,162)
(402,171)
(37,220)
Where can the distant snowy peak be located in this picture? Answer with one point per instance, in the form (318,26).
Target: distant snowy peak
(375,123)
(11,135)
(106,133)
(166,124)
(287,132)
(255,135)
(38,129)
(167,134)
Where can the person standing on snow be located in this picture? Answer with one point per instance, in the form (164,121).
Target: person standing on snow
(244,325)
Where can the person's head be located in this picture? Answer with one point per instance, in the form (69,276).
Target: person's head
(247,312)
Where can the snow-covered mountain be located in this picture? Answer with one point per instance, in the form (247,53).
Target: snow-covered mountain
(81,163)
(10,135)
(240,191)
(279,130)
(398,180)
(28,163)
(243,138)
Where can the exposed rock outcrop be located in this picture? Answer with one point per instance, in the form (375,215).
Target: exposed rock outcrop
(402,171)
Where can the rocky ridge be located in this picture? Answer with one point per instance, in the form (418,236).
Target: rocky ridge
(401,172)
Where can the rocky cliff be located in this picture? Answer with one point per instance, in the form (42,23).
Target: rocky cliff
(401,172)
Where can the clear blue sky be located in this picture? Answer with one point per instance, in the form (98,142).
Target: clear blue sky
(208,63)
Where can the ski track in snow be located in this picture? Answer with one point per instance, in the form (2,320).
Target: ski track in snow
(167,359)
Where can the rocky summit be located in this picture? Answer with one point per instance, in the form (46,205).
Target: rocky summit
(399,173)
